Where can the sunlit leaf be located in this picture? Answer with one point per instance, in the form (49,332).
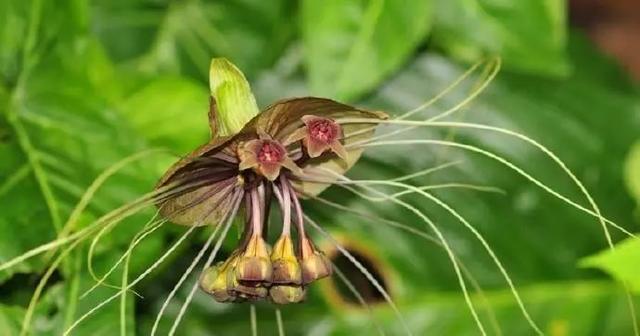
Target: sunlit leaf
(530,35)
(632,171)
(56,138)
(621,264)
(169,111)
(350,46)
(10,319)
(181,37)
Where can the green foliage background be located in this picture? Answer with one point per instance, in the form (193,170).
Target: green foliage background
(85,83)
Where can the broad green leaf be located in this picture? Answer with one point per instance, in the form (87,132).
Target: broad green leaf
(621,264)
(235,104)
(530,35)
(181,37)
(169,111)
(10,319)
(28,26)
(351,46)
(632,171)
(59,131)
(29,203)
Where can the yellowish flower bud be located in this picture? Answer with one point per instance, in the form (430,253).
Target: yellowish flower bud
(214,282)
(254,265)
(286,269)
(282,294)
(314,264)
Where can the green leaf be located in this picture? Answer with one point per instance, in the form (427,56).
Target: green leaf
(56,140)
(169,111)
(30,26)
(234,100)
(621,264)
(181,37)
(350,46)
(530,35)
(632,171)
(10,319)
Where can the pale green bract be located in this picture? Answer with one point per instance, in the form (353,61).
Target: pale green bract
(236,104)
(632,172)
(620,264)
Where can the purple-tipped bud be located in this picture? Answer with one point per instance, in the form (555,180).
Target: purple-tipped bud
(286,269)
(283,294)
(254,265)
(314,264)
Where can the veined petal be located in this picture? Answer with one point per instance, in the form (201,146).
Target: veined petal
(339,149)
(292,166)
(270,170)
(315,148)
(197,187)
(297,135)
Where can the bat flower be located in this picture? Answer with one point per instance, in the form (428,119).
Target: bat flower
(272,158)
(256,161)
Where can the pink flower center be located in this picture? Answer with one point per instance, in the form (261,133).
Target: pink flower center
(323,130)
(271,152)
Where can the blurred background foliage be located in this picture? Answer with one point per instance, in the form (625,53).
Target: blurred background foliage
(85,83)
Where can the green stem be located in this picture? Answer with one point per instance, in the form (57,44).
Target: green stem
(74,289)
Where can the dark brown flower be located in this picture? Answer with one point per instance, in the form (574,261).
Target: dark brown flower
(265,158)
(319,135)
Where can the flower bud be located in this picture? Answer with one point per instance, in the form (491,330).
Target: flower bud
(214,282)
(283,294)
(242,292)
(254,264)
(286,269)
(314,264)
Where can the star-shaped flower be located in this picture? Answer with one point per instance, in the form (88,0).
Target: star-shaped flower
(319,135)
(266,157)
